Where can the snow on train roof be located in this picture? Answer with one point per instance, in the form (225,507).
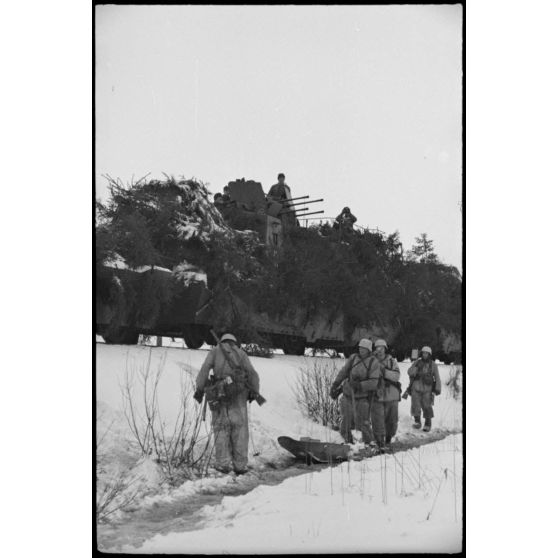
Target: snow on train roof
(118,262)
(186,272)
(189,273)
(144,268)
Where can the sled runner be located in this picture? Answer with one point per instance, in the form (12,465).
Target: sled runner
(312,450)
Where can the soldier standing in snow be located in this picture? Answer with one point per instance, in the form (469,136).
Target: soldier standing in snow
(233,384)
(359,378)
(386,399)
(424,383)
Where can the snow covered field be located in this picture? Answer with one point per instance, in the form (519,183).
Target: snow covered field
(380,504)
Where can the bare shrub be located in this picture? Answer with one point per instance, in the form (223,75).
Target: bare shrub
(454,382)
(311,391)
(181,451)
(115,494)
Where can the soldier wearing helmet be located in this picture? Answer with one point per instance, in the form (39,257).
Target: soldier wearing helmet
(357,380)
(233,383)
(425,382)
(384,408)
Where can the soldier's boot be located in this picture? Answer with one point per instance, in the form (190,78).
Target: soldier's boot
(427,425)
(417,423)
(382,444)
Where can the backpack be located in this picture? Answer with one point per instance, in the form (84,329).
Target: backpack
(369,384)
(224,390)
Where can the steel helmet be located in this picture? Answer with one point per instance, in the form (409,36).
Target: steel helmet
(380,343)
(346,210)
(426,349)
(229,337)
(366,343)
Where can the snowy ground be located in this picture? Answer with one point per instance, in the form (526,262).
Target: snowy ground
(377,505)
(301,513)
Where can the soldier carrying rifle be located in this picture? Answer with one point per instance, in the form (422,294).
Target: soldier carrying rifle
(234,383)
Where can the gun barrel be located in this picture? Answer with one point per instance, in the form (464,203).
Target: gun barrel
(302,203)
(294,199)
(305,214)
(284,212)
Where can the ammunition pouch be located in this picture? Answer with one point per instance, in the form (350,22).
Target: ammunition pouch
(428,379)
(233,389)
(224,390)
(395,384)
(369,385)
(215,393)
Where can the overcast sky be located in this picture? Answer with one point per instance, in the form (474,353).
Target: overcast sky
(360,105)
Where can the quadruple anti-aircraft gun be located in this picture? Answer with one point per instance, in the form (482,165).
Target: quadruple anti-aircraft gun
(250,207)
(192,313)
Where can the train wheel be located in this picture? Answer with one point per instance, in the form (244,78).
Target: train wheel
(121,336)
(293,345)
(194,336)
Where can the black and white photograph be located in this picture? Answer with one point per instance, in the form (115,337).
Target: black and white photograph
(279,352)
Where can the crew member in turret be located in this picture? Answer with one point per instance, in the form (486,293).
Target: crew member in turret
(218,201)
(279,192)
(227,200)
(233,384)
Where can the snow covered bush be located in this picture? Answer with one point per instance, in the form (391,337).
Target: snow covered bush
(311,391)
